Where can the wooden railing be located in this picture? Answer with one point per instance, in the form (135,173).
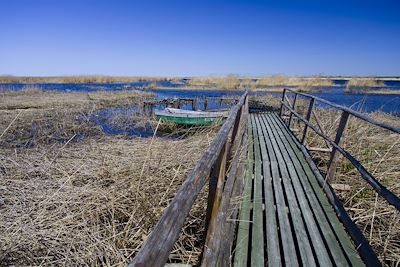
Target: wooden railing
(220,166)
(289,104)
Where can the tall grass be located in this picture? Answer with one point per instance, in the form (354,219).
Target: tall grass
(72,201)
(364,82)
(236,82)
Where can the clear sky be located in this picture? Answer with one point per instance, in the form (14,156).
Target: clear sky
(186,38)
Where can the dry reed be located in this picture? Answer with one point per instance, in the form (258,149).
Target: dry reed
(364,82)
(83,79)
(90,201)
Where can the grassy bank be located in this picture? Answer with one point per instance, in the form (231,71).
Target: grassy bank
(364,83)
(379,151)
(68,200)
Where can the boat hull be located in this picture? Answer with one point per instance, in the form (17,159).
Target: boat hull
(190,120)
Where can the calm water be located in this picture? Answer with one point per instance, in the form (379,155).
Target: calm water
(360,102)
(104,118)
(336,94)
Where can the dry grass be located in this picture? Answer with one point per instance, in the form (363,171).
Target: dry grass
(274,83)
(372,92)
(32,97)
(364,82)
(45,117)
(92,201)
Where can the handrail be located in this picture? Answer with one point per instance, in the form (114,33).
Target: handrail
(348,110)
(157,247)
(389,196)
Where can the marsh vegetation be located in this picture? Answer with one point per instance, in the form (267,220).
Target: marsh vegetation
(72,195)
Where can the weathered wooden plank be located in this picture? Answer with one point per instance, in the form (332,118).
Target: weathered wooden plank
(242,239)
(257,247)
(300,233)
(289,250)
(156,249)
(311,209)
(389,196)
(216,234)
(227,244)
(326,215)
(272,235)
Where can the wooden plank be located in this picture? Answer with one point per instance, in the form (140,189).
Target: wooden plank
(311,209)
(229,234)
(326,216)
(242,239)
(366,252)
(257,247)
(227,244)
(216,234)
(289,250)
(300,233)
(157,247)
(272,235)
(388,195)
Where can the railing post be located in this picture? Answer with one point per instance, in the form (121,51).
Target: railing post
(283,99)
(338,140)
(308,116)
(293,107)
(212,184)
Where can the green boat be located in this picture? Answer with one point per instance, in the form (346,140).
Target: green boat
(188,117)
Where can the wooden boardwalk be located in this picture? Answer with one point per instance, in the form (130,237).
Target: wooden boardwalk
(285,218)
(288,213)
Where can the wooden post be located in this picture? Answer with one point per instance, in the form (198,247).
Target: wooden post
(205,103)
(194,104)
(308,116)
(283,99)
(338,140)
(213,182)
(293,107)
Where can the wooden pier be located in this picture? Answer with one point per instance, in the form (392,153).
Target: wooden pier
(288,215)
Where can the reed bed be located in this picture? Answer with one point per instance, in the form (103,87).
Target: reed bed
(83,79)
(94,202)
(71,195)
(364,82)
(272,83)
(378,150)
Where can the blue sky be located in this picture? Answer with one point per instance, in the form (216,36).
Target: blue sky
(196,38)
